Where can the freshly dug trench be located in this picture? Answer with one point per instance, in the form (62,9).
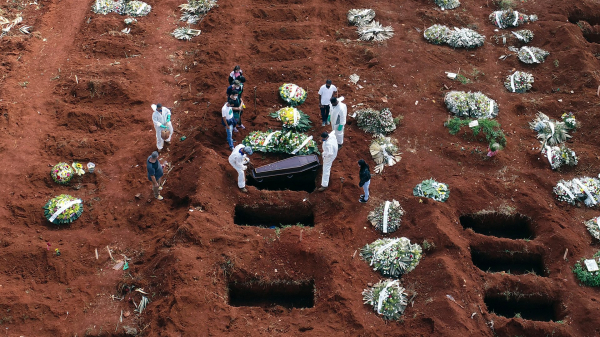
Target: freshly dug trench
(526,307)
(288,294)
(508,261)
(515,226)
(264,215)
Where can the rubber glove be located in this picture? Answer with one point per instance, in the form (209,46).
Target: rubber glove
(340,127)
(329,118)
(244,167)
(163,126)
(168,118)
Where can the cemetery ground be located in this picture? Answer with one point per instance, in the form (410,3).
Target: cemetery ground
(502,247)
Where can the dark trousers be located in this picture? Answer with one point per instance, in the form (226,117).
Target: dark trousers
(324,113)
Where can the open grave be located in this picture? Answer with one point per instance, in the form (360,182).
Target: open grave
(514,226)
(512,262)
(265,215)
(523,306)
(288,294)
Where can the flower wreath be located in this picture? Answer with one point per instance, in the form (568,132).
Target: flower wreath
(63,209)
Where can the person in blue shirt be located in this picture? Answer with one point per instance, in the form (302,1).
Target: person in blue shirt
(155,173)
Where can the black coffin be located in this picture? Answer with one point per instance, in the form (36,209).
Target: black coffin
(296,173)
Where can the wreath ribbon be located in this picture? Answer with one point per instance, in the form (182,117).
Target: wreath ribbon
(383,248)
(584,188)
(64,208)
(531,53)
(383,294)
(386,209)
(302,145)
(566,190)
(512,82)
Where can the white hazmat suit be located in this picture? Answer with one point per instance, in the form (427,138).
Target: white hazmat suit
(238,161)
(338,119)
(160,118)
(330,149)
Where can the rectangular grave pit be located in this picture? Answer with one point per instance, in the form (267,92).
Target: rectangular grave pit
(513,262)
(268,216)
(527,307)
(515,226)
(287,294)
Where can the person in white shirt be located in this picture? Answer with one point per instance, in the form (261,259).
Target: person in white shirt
(161,117)
(238,159)
(228,121)
(330,150)
(325,94)
(339,111)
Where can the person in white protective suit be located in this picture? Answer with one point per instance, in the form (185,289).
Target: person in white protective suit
(338,112)
(238,159)
(330,149)
(161,117)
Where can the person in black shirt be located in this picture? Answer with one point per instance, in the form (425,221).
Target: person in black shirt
(365,180)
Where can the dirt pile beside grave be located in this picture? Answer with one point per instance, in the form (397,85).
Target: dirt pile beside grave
(78,89)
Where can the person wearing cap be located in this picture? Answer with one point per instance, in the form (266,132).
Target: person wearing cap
(238,159)
(325,93)
(161,117)
(338,112)
(155,173)
(235,86)
(330,150)
(365,180)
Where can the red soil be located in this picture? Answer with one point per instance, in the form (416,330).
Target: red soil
(88,98)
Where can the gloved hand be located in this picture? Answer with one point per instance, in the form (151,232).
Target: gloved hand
(340,127)
(163,126)
(168,118)
(244,167)
(246,160)
(329,118)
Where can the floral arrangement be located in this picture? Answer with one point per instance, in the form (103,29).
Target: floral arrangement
(281,142)
(292,119)
(73,208)
(550,132)
(292,94)
(569,119)
(437,34)
(465,38)
(447,4)
(510,18)
(519,82)
(194,8)
(457,37)
(375,122)
(137,8)
(385,151)
(78,168)
(523,35)
(593,226)
(359,17)
(183,33)
(388,224)
(559,156)
(374,31)
(490,129)
(584,189)
(388,298)
(62,173)
(532,55)
(432,189)
(392,257)
(589,278)
(468,104)
(123,7)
